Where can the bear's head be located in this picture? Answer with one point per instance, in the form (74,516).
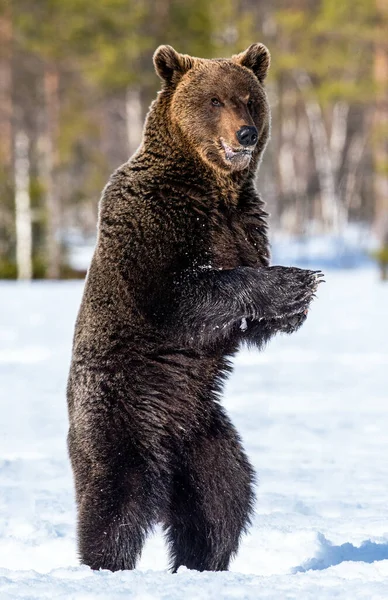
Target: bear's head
(218,105)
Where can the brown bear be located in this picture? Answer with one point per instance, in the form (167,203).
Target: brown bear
(179,279)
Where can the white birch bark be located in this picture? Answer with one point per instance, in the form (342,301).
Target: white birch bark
(134,119)
(355,154)
(6,90)
(332,212)
(302,145)
(381,124)
(50,163)
(23,207)
(286,155)
(292,216)
(338,134)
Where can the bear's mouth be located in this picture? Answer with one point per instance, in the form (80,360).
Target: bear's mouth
(239,157)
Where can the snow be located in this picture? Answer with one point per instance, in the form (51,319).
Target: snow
(313,413)
(351,248)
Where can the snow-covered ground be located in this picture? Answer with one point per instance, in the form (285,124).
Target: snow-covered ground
(313,413)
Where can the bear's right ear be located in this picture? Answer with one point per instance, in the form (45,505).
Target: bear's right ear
(256,58)
(170,65)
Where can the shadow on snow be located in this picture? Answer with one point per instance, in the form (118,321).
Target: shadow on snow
(329,555)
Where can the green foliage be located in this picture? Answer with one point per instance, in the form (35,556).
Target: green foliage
(190,27)
(101,49)
(8,270)
(7,224)
(104,38)
(331,41)
(108,40)
(381,255)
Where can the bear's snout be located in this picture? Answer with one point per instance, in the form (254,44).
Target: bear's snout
(247,135)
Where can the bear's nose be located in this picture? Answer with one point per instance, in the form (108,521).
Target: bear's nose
(247,136)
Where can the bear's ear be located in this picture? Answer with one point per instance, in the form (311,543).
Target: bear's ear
(256,58)
(170,65)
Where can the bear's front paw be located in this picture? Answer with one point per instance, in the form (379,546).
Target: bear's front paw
(285,324)
(292,291)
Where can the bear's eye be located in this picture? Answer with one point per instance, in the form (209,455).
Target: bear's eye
(216,102)
(250,103)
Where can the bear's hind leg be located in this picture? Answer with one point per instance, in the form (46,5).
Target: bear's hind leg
(212,500)
(115,513)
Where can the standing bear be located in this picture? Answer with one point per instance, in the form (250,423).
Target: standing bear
(180,277)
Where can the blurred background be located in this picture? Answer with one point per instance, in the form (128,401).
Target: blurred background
(76,80)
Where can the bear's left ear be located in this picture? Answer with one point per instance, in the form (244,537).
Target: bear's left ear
(256,58)
(170,65)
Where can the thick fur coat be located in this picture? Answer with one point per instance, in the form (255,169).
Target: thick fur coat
(179,278)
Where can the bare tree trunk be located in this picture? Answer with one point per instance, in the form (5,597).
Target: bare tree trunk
(338,134)
(273,151)
(381,126)
(301,160)
(134,119)
(332,212)
(6,133)
(286,156)
(114,130)
(354,157)
(23,207)
(286,135)
(6,90)
(53,242)
(291,144)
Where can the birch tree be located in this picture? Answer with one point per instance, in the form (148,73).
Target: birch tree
(381,123)
(23,207)
(322,44)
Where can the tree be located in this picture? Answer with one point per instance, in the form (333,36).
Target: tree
(322,43)
(381,122)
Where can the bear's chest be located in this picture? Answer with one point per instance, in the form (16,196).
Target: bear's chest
(231,242)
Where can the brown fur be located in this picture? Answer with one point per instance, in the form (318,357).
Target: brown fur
(181,259)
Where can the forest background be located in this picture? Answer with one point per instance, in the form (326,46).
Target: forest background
(76,81)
